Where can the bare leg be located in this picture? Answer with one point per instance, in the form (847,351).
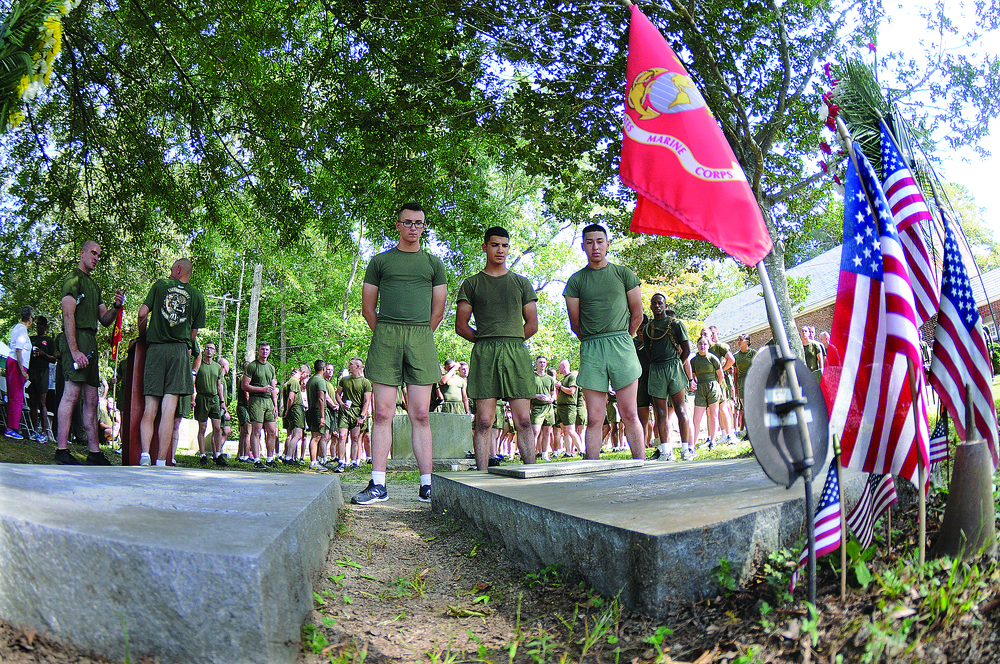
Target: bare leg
(687,432)
(271,438)
(168,406)
(216,437)
(71,392)
(482,438)
(597,408)
(147,424)
(201,436)
(418,407)
(384,397)
(713,411)
(520,409)
(699,411)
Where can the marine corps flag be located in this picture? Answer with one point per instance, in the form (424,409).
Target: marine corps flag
(116,336)
(675,156)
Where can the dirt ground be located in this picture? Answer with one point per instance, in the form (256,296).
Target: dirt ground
(403,584)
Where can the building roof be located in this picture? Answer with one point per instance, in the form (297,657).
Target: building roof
(745,312)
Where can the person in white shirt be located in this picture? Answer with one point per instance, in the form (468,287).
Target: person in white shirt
(17,372)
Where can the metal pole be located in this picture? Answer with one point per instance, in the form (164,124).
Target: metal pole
(805,467)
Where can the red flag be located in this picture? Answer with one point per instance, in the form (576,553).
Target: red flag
(116,337)
(675,156)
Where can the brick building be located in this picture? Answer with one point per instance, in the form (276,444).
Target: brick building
(745,312)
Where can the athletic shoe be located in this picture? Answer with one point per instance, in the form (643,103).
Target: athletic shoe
(331,465)
(656,455)
(118,451)
(425,493)
(64,458)
(144,459)
(316,468)
(493,461)
(41,438)
(271,464)
(687,455)
(669,456)
(259,465)
(97,459)
(374,493)
(221,461)
(292,462)
(731,439)
(339,468)
(13,434)
(204,459)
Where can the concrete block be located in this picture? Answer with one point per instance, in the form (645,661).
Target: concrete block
(565,468)
(202,566)
(452,435)
(652,533)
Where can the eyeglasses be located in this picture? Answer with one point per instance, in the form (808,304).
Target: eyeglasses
(413,224)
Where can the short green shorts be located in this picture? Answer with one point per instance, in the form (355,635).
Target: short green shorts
(313,420)
(402,354)
(86,342)
(544,415)
(500,368)
(296,418)
(500,420)
(566,414)
(347,419)
(332,420)
(709,392)
(642,394)
(206,407)
(581,415)
(183,406)
(168,370)
(740,382)
(261,408)
(608,360)
(667,379)
(612,414)
(242,414)
(456,407)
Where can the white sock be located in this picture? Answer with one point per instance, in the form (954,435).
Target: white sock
(270,459)
(161,462)
(425,480)
(545,456)
(663,449)
(378,477)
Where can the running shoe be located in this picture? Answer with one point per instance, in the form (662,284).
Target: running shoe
(97,459)
(221,461)
(63,457)
(144,459)
(375,493)
(13,434)
(424,494)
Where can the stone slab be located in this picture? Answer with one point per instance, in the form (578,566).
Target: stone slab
(201,566)
(452,435)
(565,468)
(652,533)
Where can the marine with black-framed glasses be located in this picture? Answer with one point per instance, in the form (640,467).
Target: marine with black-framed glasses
(402,301)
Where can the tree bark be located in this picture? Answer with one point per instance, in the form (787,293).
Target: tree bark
(774,262)
(251,349)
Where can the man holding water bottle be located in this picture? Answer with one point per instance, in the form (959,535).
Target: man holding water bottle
(82,310)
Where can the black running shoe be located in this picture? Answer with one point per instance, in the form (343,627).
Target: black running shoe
(97,459)
(221,461)
(64,458)
(493,461)
(259,465)
(204,459)
(374,493)
(425,493)
(271,464)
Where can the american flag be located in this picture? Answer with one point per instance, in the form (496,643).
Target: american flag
(939,442)
(875,333)
(827,526)
(878,494)
(960,357)
(910,212)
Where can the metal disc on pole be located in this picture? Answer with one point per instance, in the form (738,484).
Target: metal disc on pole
(771,420)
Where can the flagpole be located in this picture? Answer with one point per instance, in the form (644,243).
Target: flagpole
(922,469)
(843,522)
(805,467)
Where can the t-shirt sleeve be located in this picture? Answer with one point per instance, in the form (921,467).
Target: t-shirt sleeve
(373,273)
(628,278)
(528,293)
(199,315)
(679,332)
(150,300)
(465,292)
(440,276)
(368,386)
(572,286)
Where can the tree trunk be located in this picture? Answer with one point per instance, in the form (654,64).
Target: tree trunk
(251,350)
(235,368)
(774,262)
(284,337)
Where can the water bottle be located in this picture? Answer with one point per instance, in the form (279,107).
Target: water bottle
(89,356)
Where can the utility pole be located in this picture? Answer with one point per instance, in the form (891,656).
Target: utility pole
(225,299)
(251,349)
(284,337)
(236,333)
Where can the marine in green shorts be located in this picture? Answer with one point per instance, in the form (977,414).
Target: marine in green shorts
(502,303)
(605,309)
(83,309)
(260,380)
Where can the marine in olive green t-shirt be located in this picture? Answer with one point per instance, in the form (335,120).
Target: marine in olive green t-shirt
(82,288)
(175,309)
(497,303)
(603,298)
(402,278)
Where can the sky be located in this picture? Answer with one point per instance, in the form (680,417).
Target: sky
(906,31)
